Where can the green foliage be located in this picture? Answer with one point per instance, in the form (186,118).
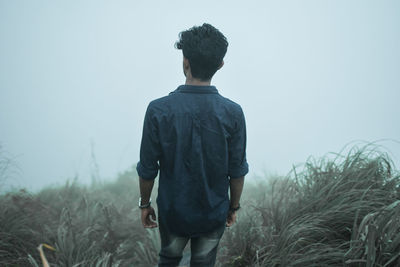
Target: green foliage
(340,211)
(336,212)
(96,226)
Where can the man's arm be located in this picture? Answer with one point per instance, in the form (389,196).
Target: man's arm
(236,189)
(238,166)
(148,167)
(146,186)
(148,214)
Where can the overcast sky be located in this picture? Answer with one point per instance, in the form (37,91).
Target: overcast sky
(311,76)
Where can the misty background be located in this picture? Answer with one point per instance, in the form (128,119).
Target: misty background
(76,78)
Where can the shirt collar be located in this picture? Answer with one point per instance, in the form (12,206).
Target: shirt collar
(196,89)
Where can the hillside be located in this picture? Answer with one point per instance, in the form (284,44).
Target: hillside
(340,210)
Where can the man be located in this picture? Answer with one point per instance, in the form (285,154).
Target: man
(197,139)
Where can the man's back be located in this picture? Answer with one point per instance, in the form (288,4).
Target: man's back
(198,136)
(197,140)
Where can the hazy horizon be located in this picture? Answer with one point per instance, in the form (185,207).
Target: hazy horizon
(76,78)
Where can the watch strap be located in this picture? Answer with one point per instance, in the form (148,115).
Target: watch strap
(232,209)
(144,206)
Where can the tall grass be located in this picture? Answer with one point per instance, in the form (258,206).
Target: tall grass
(96,226)
(340,211)
(335,212)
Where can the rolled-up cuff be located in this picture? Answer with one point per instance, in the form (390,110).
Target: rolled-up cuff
(239,171)
(146,173)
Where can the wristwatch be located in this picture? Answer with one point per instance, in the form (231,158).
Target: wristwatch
(144,206)
(232,209)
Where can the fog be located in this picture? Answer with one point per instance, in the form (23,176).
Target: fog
(76,78)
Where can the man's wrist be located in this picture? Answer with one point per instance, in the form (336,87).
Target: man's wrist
(234,208)
(143,203)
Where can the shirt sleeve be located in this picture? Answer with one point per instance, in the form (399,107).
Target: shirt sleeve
(238,166)
(150,151)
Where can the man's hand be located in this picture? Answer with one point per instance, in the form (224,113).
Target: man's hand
(149,217)
(236,188)
(231,219)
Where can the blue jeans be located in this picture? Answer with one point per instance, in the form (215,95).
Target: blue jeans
(203,248)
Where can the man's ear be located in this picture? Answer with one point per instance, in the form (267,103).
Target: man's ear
(186,64)
(222,64)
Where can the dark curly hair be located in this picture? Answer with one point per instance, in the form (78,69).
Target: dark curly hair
(205,47)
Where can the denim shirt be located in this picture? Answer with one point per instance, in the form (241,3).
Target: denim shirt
(196,138)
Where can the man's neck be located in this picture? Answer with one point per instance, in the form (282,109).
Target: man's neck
(197,82)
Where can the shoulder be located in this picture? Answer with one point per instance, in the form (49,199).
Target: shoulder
(232,103)
(233,107)
(159,102)
(162,104)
